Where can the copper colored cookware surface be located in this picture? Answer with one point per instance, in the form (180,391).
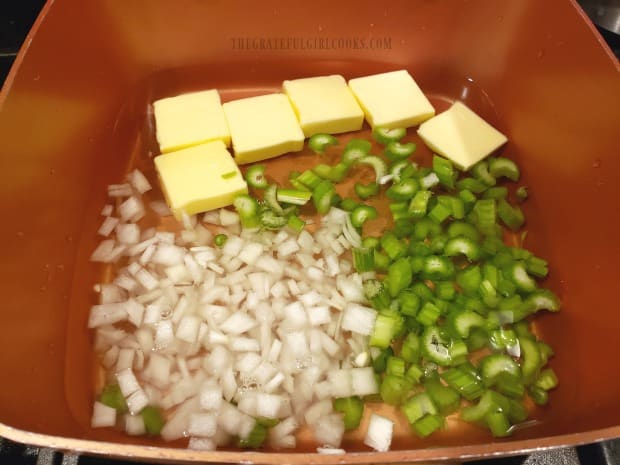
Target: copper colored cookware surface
(75,118)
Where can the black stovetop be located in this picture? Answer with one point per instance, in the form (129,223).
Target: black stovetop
(16,18)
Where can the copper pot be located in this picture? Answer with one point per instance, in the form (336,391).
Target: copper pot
(74,118)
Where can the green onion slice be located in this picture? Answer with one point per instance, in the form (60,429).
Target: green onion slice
(319,142)
(255,177)
(385,135)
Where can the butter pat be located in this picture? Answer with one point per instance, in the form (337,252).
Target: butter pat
(263,127)
(324,104)
(391,100)
(199,178)
(461,135)
(190,119)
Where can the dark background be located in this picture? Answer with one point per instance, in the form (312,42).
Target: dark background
(16,19)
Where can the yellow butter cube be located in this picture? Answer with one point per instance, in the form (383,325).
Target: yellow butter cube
(190,119)
(263,127)
(324,104)
(199,178)
(391,100)
(461,135)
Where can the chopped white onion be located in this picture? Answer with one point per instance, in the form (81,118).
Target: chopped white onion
(359,319)
(238,323)
(379,435)
(119,190)
(261,318)
(106,314)
(160,208)
(328,430)
(108,226)
(228,217)
(188,328)
(137,401)
(211,397)
(139,181)
(177,424)
(317,410)
(131,209)
(330,451)
(107,210)
(202,424)
(134,425)
(125,359)
(103,251)
(103,416)
(340,383)
(363,381)
(202,444)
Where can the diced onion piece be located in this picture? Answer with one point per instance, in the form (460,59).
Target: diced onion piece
(295,315)
(107,210)
(284,428)
(164,334)
(313,413)
(137,401)
(363,381)
(274,383)
(106,314)
(202,424)
(351,288)
(247,363)
(145,278)
(286,442)
(287,248)
(228,217)
(211,397)
(268,405)
(328,430)
(187,329)
(139,181)
(250,252)
(103,416)
(160,208)
(319,315)
(244,344)
(158,370)
(168,255)
(359,319)
(134,425)
(103,251)
(135,311)
(361,359)
(297,344)
(128,233)
(330,451)
(233,246)
(229,384)
(131,209)
(108,226)
(119,190)
(340,383)
(177,424)
(211,217)
(125,358)
(205,444)
(379,435)
(238,323)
